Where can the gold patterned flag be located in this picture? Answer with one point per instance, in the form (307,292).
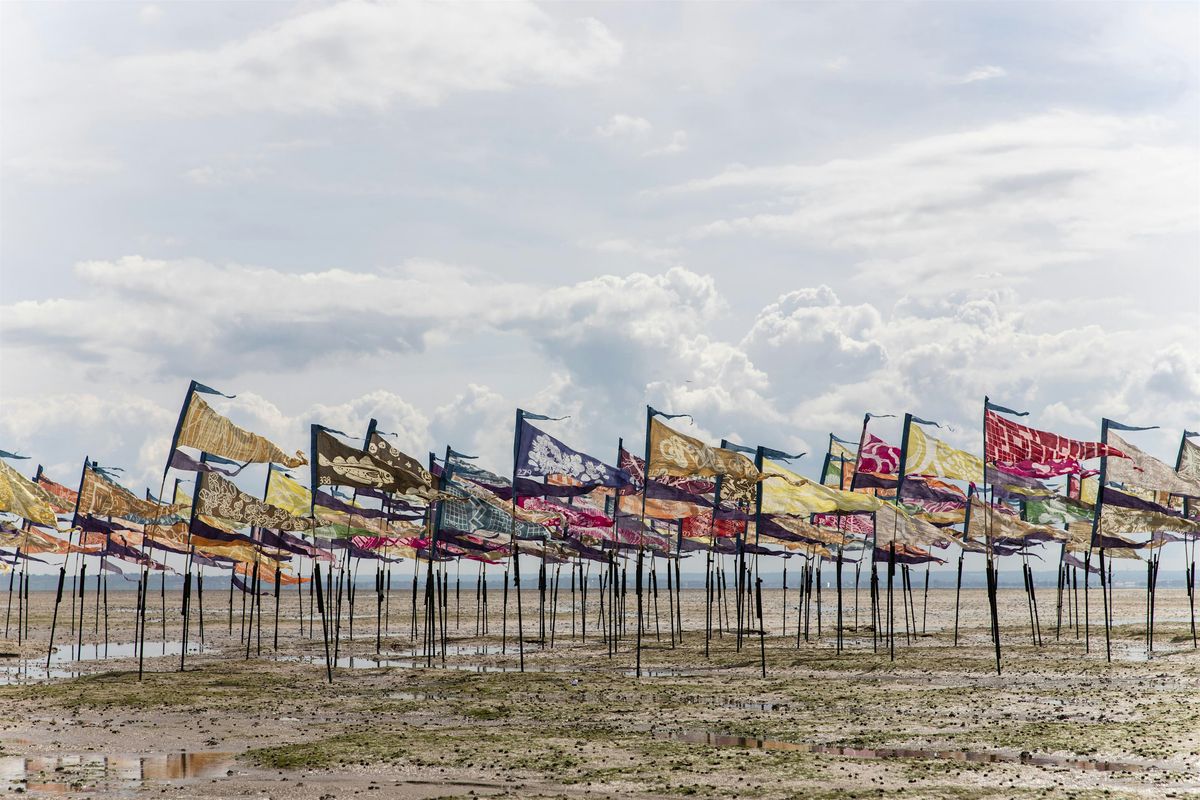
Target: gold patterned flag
(218,497)
(786,492)
(926,455)
(893,525)
(205,429)
(23,497)
(1189,459)
(675,455)
(1142,469)
(421,483)
(987,522)
(1118,519)
(101,497)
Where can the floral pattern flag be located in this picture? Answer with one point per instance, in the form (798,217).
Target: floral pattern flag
(217,497)
(675,454)
(926,455)
(540,455)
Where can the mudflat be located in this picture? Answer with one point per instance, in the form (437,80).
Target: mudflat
(248,719)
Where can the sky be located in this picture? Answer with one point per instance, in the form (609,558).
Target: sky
(773,217)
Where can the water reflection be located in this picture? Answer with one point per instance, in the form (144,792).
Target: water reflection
(64,656)
(93,772)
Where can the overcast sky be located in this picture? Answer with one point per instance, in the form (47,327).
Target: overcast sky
(773,217)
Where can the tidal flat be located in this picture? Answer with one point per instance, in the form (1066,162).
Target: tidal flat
(247,718)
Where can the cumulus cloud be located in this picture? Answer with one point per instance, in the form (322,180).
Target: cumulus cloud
(623,125)
(360,55)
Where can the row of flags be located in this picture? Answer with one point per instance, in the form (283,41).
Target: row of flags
(366,497)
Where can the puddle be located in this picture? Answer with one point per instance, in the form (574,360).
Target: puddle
(889,753)
(93,772)
(64,656)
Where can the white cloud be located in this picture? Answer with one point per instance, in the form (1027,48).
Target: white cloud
(624,125)
(1010,198)
(677,144)
(149,14)
(985,73)
(357,54)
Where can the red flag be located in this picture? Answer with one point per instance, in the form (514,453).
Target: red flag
(1037,453)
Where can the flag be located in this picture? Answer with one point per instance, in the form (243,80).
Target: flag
(1118,519)
(1057,510)
(1036,453)
(63,499)
(540,455)
(23,497)
(1141,469)
(206,430)
(674,454)
(785,492)
(892,524)
(339,464)
(410,473)
(185,463)
(989,522)
(217,497)
(1189,459)
(635,467)
(877,456)
(100,496)
(926,455)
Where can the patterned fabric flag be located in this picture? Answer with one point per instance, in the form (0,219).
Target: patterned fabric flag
(877,456)
(1036,453)
(476,510)
(217,497)
(1116,519)
(421,483)
(540,455)
(205,429)
(1189,460)
(339,464)
(23,497)
(64,498)
(674,454)
(785,492)
(989,522)
(861,523)
(635,467)
(929,456)
(102,497)
(839,468)
(895,525)
(1144,470)
(1057,511)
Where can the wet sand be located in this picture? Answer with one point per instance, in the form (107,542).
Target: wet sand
(936,722)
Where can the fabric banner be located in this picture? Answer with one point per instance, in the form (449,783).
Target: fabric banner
(676,455)
(926,455)
(786,492)
(894,525)
(1057,511)
(339,464)
(101,497)
(1037,453)
(1189,460)
(1141,469)
(877,456)
(185,463)
(63,498)
(990,523)
(861,524)
(410,473)
(206,430)
(635,467)
(1116,520)
(540,455)
(23,497)
(475,510)
(217,497)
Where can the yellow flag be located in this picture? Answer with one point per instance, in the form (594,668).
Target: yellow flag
(674,454)
(929,456)
(207,430)
(785,492)
(23,497)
